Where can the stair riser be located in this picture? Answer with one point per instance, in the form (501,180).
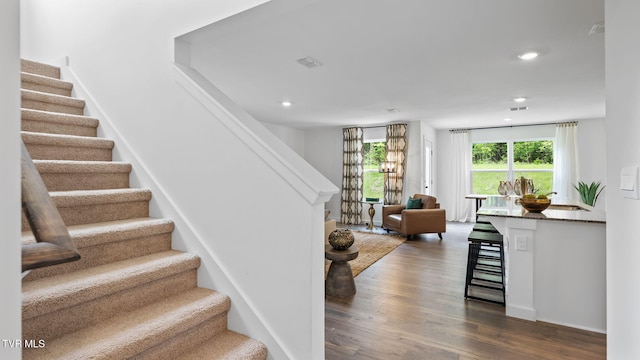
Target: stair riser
(49,326)
(186,341)
(85,181)
(107,253)
(55,128)
(46,106)
(94,213)
(46,89)
(55,152)
(40,69)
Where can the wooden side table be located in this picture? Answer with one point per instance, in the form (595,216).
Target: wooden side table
(339,282)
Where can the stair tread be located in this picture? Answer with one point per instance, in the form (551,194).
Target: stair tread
(66,140)
(81,166)
(65,290)
(41,115)
(99,233)
(45,80)
(130,333)
(94,197)
(228,345)
(51,98)
(35,67)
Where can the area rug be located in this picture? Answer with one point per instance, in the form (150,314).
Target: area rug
(372,247)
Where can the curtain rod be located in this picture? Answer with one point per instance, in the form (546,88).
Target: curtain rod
(384,126)
(512,126)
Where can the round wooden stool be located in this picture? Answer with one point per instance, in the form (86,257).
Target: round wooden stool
(339,282)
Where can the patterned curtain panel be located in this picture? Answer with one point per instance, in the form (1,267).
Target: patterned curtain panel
(352,159)
(397,155)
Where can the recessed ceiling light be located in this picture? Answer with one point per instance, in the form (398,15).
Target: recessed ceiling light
(309,62)
(520,99)
(286,103)
(507,119)
(528,56)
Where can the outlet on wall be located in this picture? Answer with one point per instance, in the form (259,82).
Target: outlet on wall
(522,243)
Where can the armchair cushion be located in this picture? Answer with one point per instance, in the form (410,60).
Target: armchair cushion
(414,203)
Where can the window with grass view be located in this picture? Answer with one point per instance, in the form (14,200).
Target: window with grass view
(373,181)
(495,162)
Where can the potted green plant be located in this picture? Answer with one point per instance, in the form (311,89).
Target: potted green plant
(589,193)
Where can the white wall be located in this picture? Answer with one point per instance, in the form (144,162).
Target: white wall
(228,203)
(430,134)
(323,150)
(591,147)
(294,138)
(623,132)
(10,301)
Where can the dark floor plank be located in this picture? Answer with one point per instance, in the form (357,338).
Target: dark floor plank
(410,305)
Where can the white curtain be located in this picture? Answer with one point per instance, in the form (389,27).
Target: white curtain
(565,161)
(459,208)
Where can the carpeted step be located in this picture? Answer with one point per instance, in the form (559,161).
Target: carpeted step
(49,102)
(65,175)
(35,67)
(56,123)
(45,84)
(108,242)
(126,335)
(228,345)
(55,306)
(67,147)
(95,206)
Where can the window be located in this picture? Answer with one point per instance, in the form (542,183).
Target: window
(495,162)
(373,181)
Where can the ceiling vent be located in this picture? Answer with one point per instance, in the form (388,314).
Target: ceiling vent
(309,62)
(521,108)
(597,28)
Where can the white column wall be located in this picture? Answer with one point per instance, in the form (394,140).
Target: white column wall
(623,132)
(10,300)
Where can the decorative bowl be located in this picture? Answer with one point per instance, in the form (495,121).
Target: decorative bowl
(535,205)
(341,239)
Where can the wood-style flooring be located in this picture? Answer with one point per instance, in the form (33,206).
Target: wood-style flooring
(410,305)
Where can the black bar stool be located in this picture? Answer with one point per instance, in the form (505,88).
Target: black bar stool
(486,227)
(485,267)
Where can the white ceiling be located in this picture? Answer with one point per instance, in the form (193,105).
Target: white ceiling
(452,63)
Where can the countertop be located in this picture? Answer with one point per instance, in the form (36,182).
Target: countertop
(496,205)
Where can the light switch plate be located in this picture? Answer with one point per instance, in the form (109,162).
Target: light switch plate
(629,182)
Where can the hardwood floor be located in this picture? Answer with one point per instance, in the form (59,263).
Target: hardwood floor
(410,305)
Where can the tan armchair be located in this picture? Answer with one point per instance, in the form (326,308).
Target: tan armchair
(429,219)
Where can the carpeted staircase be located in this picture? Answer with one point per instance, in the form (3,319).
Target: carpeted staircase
(131,295)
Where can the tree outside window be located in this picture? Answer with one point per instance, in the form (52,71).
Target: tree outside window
(495,162)
(373,181)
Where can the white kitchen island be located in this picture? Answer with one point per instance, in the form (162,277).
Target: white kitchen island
(555,262)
